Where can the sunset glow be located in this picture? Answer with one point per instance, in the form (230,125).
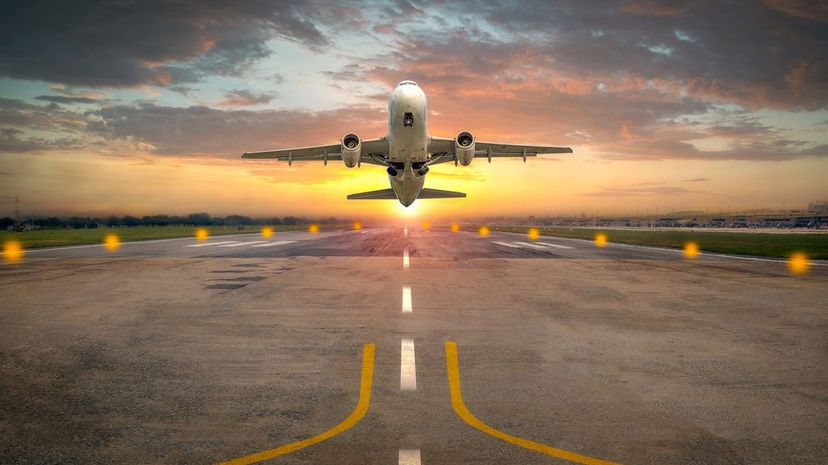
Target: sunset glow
(663,111)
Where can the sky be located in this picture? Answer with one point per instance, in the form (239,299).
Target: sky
(133,107)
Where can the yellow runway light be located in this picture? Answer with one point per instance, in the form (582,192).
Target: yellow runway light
(798,263)
(691,250)
(426,224)
(601,240)
(12,251)
(484,231)
(357,225)
(455,227)
(267,232)
(534,233)
(313,228)
(202,234)
(112,242)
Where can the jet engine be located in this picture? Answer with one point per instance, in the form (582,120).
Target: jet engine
(464,148)
(351,149)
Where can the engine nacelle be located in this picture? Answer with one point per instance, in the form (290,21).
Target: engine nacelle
(464,148)
(351,150)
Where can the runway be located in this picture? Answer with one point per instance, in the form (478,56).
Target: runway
(367,346)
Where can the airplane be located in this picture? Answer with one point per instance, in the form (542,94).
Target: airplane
(407,150)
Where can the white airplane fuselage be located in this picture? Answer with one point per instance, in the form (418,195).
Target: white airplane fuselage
(407,140)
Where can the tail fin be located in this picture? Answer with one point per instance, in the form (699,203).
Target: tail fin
(439,194)
(388,194)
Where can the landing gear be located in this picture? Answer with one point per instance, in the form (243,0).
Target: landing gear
(423,171)
(391,171)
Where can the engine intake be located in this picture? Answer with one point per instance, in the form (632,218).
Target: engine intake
(464,148)
(351,150)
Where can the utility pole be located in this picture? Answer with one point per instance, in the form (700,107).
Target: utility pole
(16,199)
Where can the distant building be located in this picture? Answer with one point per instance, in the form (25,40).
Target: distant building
(818,206)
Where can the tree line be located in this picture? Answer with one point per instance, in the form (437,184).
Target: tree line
(193,219)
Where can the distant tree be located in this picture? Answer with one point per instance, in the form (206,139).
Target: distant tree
(156,220)
(276,221)
(218,221)
(112,221)
(289,220)
(6,222)
(235,220)
(198,219)
(51,222)
(130,221)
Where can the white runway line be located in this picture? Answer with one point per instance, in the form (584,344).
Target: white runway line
(409,456)
(242,243)
(212,243)
(506,244)
(408,367)
(530,245)
(406,299)
(405,258)
(405,231)
(558,246)
(271,244)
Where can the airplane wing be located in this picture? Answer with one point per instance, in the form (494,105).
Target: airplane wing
(491,150)
(371,149)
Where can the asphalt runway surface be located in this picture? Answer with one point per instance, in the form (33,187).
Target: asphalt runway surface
(393,346)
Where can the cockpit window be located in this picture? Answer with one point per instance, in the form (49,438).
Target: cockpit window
(408,120)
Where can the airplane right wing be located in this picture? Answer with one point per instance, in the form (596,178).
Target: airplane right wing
(371,151)
(444,149)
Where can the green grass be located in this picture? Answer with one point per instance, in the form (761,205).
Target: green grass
(815,246)
(60,237)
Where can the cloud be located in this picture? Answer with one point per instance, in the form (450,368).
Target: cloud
(124,44)
(696,180)
(65,99)
(200,130)
(642,191)
(240,98)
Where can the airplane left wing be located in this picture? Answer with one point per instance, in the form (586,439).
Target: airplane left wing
(371,151)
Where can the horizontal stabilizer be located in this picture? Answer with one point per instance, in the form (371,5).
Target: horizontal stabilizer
(382,194)
(427,193)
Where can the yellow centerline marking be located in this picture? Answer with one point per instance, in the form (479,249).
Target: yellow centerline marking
(464,413)
(355,416)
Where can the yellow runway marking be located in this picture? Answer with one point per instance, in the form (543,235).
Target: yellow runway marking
(355,416)
(468,417)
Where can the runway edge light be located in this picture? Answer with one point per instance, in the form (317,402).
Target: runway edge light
(691,250)
(267,232)
(112,242)
(484,231)
(601,240)
(798,263)
(313,228)
(12,251)
(202,234)
(534,233)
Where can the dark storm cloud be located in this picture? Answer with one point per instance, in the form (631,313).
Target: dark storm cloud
(201,130)
(771,54)
(65,99)
(132,43)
